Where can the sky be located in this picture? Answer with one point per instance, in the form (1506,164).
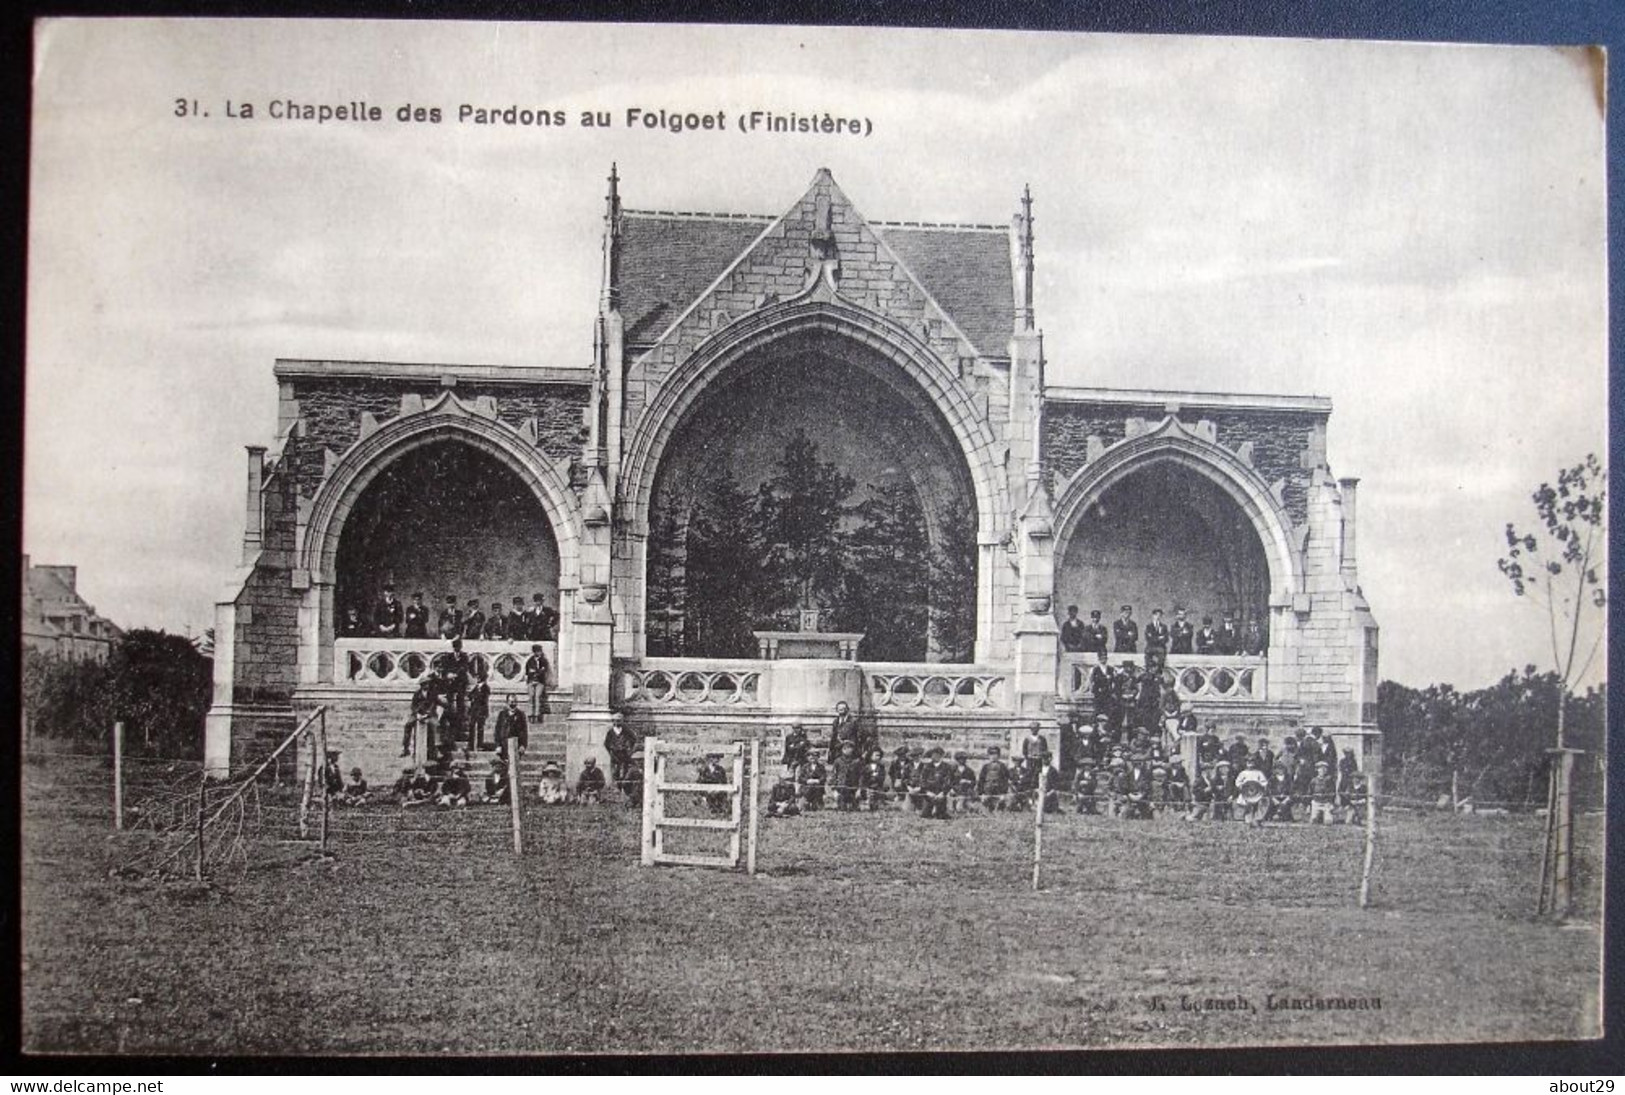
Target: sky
(1415,231)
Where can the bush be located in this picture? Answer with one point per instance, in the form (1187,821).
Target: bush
(156,683)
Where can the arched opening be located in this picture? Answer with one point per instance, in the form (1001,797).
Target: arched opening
(1165,536)
(445,519)
(813,473)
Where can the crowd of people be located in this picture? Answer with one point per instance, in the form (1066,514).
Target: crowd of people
(1160,637)
(389,618)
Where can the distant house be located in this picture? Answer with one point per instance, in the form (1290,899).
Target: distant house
(57,621)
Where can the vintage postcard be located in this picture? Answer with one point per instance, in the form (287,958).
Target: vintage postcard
(564,538)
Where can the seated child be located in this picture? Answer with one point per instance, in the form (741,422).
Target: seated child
(964,791)
(590,784)
(551,790)
(845,775)
(1083,787)
(496,784)
(355,792)
(419,788)
(781,800)
(812,776)
(455,789)
(872,780)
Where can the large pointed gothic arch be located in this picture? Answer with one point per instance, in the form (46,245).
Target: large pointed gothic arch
(448,419)
(1172,443)
(911,369)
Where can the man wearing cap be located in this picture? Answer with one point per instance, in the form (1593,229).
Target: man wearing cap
(1322,794)
(1252,640)
(872,780)
(1096,635)
(811,777)
(474,620)
(1126,633)
(1102,686)
(936,781)
(519,623)
(1347,768)
(793,750)
(845,775)
(619,743)
(547,617)
(1181,634)
(451,620)
(386,618)
(1229,638)
(1074,636)
(964,792)
(711,771)
(416,618)
(496,624)
(536,680)
(1156,636)
(425,701)
(993,780)
(1224,790)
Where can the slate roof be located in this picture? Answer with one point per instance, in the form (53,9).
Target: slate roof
(669,259)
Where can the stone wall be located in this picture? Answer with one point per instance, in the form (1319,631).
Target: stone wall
(1283,446)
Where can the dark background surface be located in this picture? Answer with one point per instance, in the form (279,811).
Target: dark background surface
(1564,22)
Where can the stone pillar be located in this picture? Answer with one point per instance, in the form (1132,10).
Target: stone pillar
(1037,634)
(593,629)
(217,723)
(254,524)
(1351,568)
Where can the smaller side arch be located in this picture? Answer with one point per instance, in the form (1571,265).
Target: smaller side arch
(1173,444)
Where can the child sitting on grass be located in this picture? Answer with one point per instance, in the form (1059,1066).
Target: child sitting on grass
(454,789)
(355,792)
(551,790)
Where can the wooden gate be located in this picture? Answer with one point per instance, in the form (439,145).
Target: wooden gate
(742,790)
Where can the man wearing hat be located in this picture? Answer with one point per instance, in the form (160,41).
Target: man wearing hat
(548,618)
(1126,633)
(1074,636)
(451,620)
(416,618)
(1322,794)
(619,743)
(520,622)
(1229,639)
(536,680)
(1207,639)
(993,781)
(386,618)
(497,788)
(496,624)
(425,701)
(936,781)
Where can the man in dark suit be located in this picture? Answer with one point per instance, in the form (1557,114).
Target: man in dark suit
(1126,633)
(1207,639)
(511,723)
(496,624)
(473,620)
(1229,636)
(1074,635)
(417,618)
(1097,633)
(1181,634)
(450,623)
(386,618)
(1156,636)
(843,729)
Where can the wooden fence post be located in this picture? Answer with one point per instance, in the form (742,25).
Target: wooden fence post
(1038,823)
(118,776)
(516,790)
(202,805)
(310,782)
(1370,840)
(651,752)
(755,803)
(327,793)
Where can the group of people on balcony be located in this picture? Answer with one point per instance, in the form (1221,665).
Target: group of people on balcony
(1179,637)
(390,619)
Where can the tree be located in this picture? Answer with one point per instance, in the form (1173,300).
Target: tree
(953,583)
(1556,566)
(803,511)
(724,583)
(156,683)
(889,587)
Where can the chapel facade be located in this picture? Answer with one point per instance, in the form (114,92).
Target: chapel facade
(911,353)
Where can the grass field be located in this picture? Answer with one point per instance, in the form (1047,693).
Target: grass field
(862,932)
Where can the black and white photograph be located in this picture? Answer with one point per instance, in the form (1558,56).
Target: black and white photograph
(559,538)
